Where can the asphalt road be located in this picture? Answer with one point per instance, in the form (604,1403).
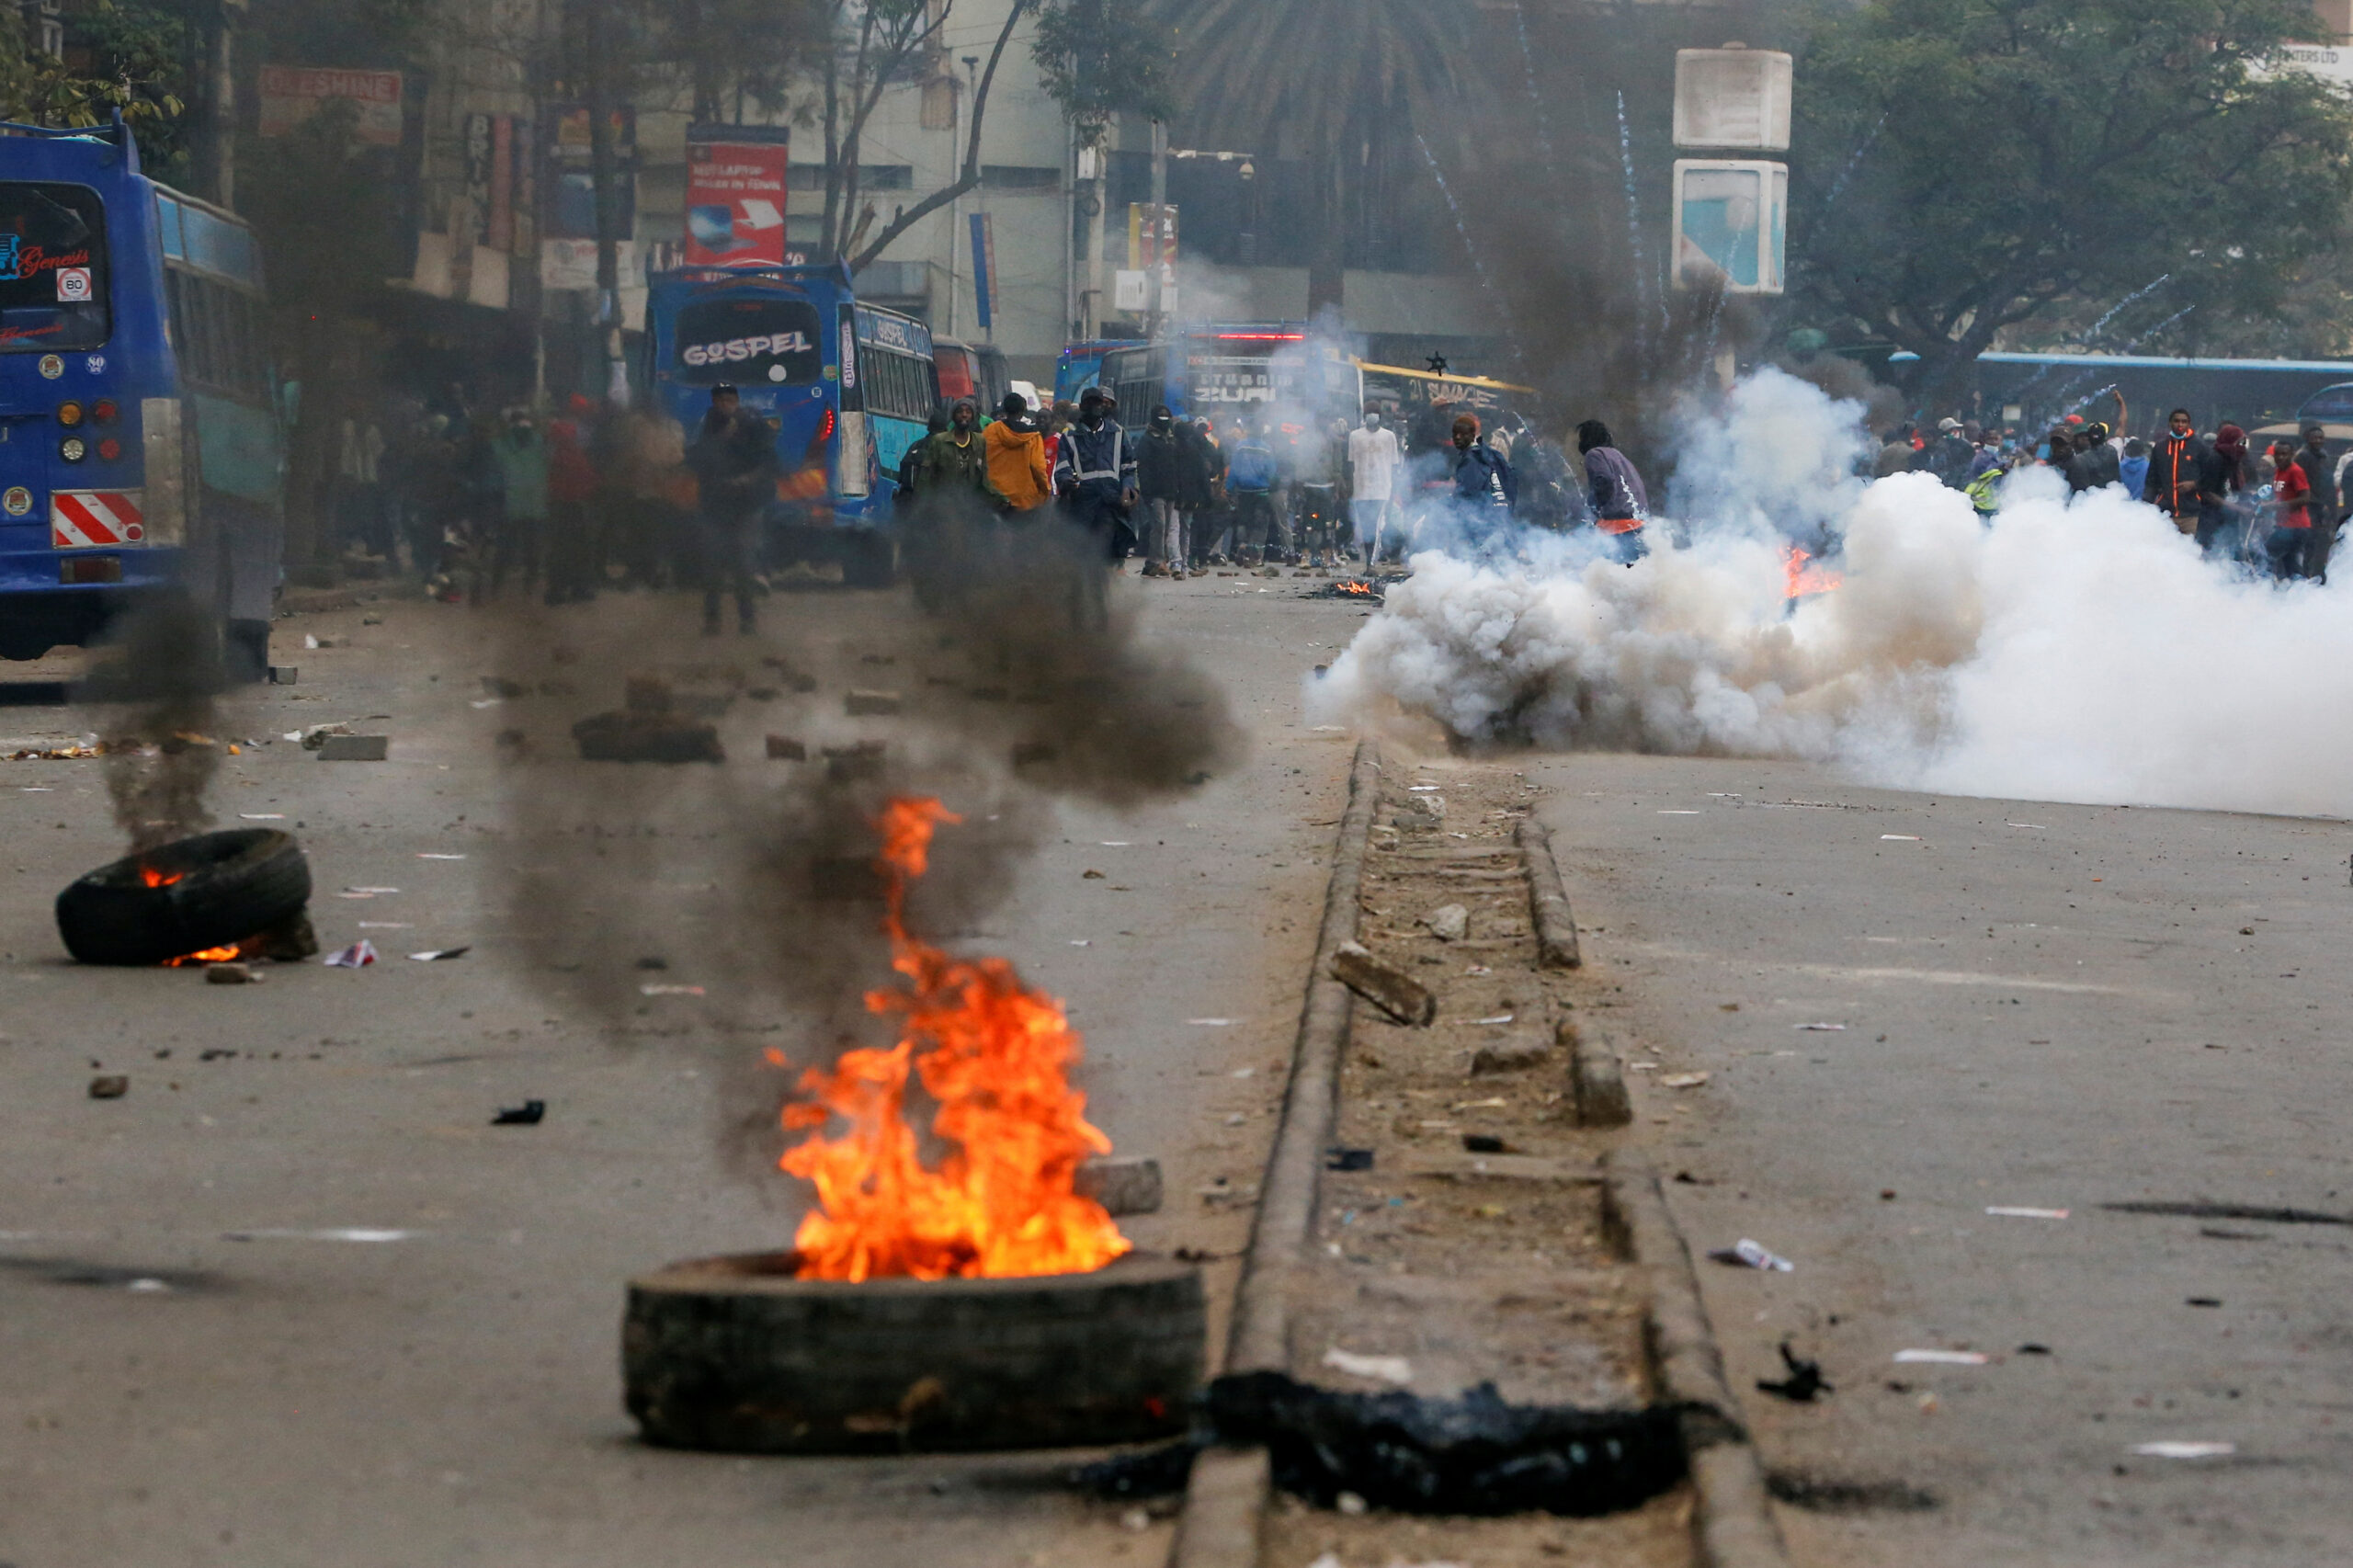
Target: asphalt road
(2029,1007)
(172,1395)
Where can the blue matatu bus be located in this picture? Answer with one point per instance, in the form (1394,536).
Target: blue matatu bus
(849,387)
(139,443)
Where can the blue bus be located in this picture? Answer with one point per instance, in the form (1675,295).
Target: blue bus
(141,448)
(1081,365)
(849,387)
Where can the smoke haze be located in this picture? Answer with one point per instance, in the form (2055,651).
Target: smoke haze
(2082,652)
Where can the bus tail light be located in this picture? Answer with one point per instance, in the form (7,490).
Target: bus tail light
(165,453)
(104,411)
(70,414)
(814,456)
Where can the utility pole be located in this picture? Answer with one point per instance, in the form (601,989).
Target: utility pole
(1102,151)
(605,170)
(222,88)
(1156,257)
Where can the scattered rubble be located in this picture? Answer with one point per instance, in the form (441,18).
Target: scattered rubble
(1390,989)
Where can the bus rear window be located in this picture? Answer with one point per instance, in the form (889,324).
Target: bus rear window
(955,374)
(53,267)
(744,341)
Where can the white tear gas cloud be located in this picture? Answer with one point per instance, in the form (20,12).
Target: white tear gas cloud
(2078,652)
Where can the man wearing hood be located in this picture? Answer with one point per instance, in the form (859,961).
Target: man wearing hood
(1165,478)
(1017,457)
(1096,475)
(1622,503)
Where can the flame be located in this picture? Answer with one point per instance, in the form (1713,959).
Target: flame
(995,1056)
(229,954)
(1364,588)
(155,879)
(1803,581)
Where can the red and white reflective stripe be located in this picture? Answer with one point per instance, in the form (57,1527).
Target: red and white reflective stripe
(79,519)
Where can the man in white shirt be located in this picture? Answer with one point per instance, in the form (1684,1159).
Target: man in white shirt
(1373,457)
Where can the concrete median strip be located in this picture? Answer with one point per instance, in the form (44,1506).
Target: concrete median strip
(1225,1499)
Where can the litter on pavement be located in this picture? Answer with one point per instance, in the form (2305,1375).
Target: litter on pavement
(670,990)
(437,954)
(1380,1369)
(1805,1382)
(529,1114)
(332,1234)
(1822,1028)
(1940,1357)
(2184,1450)
(1745,1253)
(1348,1159)
(1683,1080)
(428,855)
(359,955)
(2005,1211)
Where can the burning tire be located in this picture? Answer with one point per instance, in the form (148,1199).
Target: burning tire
(213,890)
(737,1355)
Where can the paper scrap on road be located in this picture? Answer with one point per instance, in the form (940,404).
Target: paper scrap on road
(1382,1369)
(359,955)
(1745,1253)
(1498,1018)
(1822,1029)
(261,816)
(428,855)
(1678,814)
(437,954)
(1079,942)
(1899,839)
(1208,1023)
(2036,825)
(384,925)
(2184,1450)
(2008,1212)
(332,1234)
(1940,1357)
(670,990)
(1683,1080)
(370,892)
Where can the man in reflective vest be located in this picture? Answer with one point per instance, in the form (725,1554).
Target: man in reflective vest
(1095,474)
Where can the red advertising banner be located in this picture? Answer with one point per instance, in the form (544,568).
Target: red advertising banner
(736,194)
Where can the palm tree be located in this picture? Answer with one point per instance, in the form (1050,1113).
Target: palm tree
(1326,77)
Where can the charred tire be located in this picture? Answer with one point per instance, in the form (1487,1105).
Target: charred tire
(735,1355)
(230,886)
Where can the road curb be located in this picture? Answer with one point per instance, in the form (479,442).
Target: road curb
(1225,1498)
(1733,1525)
(1548,899)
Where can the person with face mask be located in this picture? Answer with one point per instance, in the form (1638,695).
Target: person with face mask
(1165,478)
(1373,459)
(1095,474)
(1258,525)
(1017,456)
(1485,489)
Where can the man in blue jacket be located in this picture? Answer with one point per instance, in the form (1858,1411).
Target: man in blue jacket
(1095,474)
(1259,528)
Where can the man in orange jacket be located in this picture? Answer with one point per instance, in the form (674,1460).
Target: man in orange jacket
(1017,456)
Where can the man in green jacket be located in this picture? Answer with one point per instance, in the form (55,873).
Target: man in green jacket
(956,461)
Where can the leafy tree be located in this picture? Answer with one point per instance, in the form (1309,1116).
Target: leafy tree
(1968,167)
(746,51)
(1320,75)
(1100,58)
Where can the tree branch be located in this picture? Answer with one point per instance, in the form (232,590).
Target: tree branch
(971,178)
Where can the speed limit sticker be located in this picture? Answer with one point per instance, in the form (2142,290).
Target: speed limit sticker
(74,284)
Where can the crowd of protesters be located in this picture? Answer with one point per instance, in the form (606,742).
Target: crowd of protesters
(486,504)
(2275,511)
